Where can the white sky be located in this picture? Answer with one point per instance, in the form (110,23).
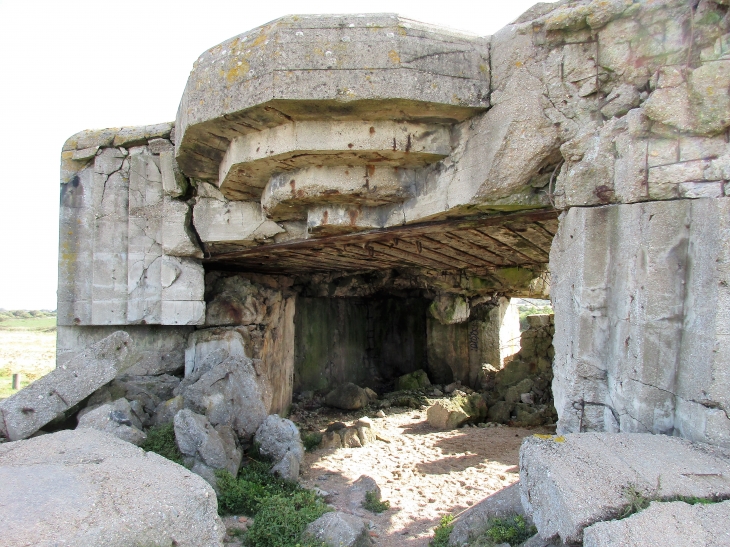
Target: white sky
(71,65)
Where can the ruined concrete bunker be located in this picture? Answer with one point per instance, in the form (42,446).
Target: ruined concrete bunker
(352,197)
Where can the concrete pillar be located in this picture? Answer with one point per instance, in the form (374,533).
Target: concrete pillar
(641,294)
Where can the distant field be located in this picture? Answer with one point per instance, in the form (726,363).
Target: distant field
(27,347)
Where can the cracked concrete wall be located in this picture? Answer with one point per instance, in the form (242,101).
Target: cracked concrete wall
(128,254)
(641,301)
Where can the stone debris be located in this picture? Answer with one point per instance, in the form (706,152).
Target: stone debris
(116,418)
(86,487)
(206,448)
(51,396)
(347,397)
(571,482)
(279,439)
(675,523)
(337,529)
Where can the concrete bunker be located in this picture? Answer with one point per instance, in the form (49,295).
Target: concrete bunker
(316,149)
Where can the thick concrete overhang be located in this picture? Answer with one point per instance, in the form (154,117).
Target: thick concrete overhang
(333,68)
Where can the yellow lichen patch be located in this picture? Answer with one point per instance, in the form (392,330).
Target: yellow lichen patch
(554,438)
(483,68)
(394,57)
(402,31)
(237,72)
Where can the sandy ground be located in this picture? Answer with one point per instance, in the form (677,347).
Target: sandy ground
(423,472)
(29,352)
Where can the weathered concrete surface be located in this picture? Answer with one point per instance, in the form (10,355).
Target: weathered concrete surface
(568,483)
(89,488)
(244,82)
(279,439)
(641,295)
(117,419)
(675,523)
(49,397)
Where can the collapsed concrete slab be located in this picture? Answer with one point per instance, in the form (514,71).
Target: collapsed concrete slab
(571,482)
(49,397)
(676,523)
(89,488)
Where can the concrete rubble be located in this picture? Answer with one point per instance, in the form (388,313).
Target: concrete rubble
(571,482)
(89,488)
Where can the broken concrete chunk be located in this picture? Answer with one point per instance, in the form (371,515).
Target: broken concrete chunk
(347,397)
(116,418)
(216,447)
(573,481)
(31,408)
(675,523)
(231,393)
(277,438)
(174,182)
(338,529)
(85,487)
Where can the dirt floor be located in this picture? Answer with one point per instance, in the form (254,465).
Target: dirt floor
(424,473)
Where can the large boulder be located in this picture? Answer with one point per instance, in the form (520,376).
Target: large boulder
(116,418)
(279,439)
(206,448)
(86,487)
(571,482)
(451,413)
(347,397)
(51,396)
(338,529)
(231,393)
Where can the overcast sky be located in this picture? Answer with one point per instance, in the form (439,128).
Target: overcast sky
(80,64)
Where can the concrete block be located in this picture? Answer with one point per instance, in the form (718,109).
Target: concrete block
(675,523)
(49,397)
(568,483)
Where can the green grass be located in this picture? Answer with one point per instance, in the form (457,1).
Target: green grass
(442,532)
(513,530)
(636,501)
(29,323)
(281,519)
(161,440)
(373,504)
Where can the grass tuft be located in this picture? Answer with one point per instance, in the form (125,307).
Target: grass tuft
(513,530)
(442,532)
(161,440)
(281,519)
(373,504)
(311,440)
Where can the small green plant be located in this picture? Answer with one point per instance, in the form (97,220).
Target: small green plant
(513,530)
(373,504)
(281,519)
(311,440)
(635,502)
(161,440)
(442,532)
(243,495)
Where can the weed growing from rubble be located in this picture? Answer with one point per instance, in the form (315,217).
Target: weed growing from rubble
(281,509)
(637,501)
(281,519)
(513,530)
(373,504)
(161,440)
(442,532)
(311,440)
